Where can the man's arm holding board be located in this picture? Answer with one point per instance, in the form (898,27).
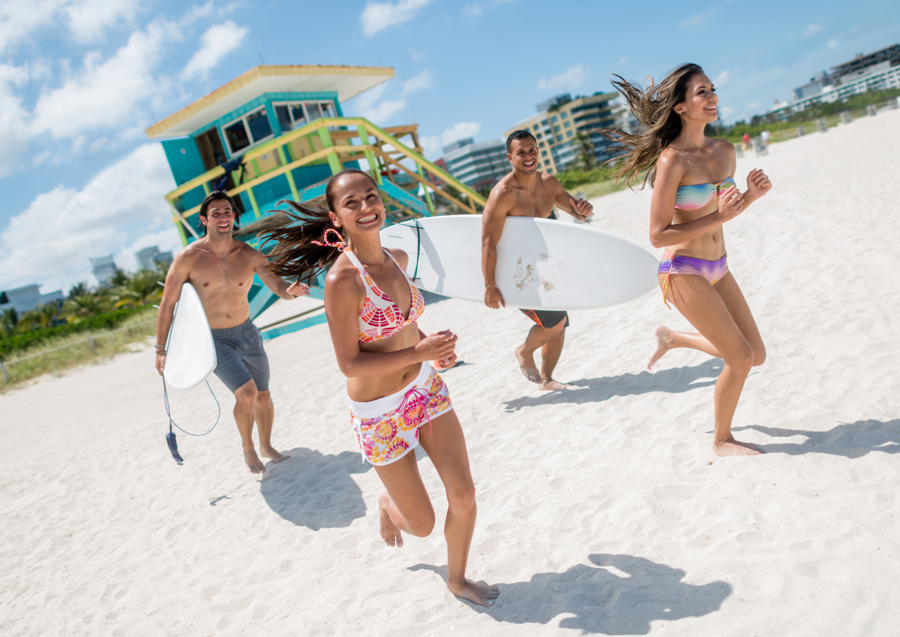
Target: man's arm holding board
(177,276)
(275,283)
(498,205)
(578,208)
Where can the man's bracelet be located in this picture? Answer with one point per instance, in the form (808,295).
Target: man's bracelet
(161,348)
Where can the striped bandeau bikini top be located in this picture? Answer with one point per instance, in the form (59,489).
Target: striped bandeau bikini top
(696,196)
(380,317)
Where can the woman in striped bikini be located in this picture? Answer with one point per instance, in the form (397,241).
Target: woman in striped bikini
(398,401)
(694,194)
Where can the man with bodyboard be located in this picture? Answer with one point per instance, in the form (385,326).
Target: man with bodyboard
(221,270)
(526,192)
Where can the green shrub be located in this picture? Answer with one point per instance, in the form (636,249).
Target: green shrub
(30,338)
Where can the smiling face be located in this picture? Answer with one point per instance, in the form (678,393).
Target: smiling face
(219,220)
(523,155)
(701,101)
(357,206)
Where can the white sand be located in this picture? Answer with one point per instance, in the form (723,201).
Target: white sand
(602,510)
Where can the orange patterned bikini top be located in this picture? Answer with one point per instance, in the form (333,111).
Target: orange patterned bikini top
(381,318)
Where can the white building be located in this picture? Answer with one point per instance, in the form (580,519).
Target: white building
(876,71)
(148,258)
(104,269)
(27,298)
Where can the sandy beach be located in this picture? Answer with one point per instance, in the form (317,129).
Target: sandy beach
(602,509)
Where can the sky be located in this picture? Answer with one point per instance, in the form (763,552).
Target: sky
(81,80)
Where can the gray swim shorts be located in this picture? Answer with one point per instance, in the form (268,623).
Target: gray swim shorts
(240,357)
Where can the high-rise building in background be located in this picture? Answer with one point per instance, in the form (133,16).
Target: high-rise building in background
(876,71)
(27,298)
(567,129)
(477,165)
(149,258)
(104,270)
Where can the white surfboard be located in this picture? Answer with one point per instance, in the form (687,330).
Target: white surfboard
(190,350)
(541,263)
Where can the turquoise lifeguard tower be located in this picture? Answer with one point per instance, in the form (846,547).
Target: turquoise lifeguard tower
(278,132)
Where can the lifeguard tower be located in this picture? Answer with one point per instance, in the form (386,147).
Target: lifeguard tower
(279,132)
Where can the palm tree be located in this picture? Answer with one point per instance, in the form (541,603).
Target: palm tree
(8,321)
(83,306)
(142,289)
(586,156)
(78,289)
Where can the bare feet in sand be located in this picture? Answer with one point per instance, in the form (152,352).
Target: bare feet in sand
(526,364)
(272,454)
(389,531)
(548,384)
(475,592)
(253,462)
(663,339)
(732,447)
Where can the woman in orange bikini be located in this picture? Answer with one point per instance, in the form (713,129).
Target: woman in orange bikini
(694,194)
(397,398)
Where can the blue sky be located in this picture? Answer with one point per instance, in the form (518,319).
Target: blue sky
(80,80)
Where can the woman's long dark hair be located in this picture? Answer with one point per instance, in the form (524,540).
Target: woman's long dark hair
(653,107)
(296,255)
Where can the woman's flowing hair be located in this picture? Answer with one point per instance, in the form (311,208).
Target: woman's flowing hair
(301,251)
(653,107)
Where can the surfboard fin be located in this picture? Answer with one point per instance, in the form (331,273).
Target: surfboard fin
(173,447)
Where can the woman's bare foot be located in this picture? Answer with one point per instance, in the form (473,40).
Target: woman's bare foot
(389,531)
(526,364)
(272,454)
(475,592)
(663,339)
(732,447)
(548,384)
(253,462)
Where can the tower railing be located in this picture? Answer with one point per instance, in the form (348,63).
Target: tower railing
(331,140)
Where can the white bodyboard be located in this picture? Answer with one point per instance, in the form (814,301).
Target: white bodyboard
(190,350)
(541,263)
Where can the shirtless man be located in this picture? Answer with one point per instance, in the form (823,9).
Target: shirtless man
(525,192)
(221,269)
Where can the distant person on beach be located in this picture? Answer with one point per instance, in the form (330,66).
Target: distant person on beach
(694,193)
(527,192)
(765,138)
(746,141)
(398,400)
(221,269)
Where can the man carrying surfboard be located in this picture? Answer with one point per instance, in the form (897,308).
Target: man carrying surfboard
(526,192)
(221,269)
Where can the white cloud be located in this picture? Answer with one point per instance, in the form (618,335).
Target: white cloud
(88,19)
(473,9)
(378,16)
(754,105)
(432,144)
(727,111)
(698,19)
(13,118)
(218,41)
(570,79)
(382,111)
(50,241)
(418,82)
(371,106)
(832,43)
(722,79)
(623,61)
(107,93)
(813,28)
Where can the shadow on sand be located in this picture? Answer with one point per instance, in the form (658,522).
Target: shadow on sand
(315,490)
(597,390)
(849,440)
(620,595)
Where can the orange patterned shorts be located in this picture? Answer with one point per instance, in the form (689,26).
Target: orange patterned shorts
(388,428)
